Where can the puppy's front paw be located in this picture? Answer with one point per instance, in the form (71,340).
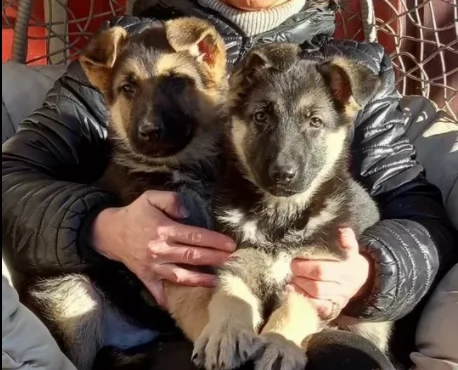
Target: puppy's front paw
(224,347)
(280,354)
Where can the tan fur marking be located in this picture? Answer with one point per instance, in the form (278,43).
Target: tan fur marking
(239,132)
(97,76)
(286,332)
(236,300)
(118,113)
(295,319)
(344,80)
(377,332)
(187,33)
(230,338)
(76,309)
(188,307)
(136,68)
(177,64)
(100,54)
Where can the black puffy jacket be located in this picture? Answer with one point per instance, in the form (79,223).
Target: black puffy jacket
(48,206)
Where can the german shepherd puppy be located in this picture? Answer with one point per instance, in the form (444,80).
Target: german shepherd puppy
(286,192)
(165,90)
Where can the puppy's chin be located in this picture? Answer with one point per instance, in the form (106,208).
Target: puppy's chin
(281,192)
(156,151)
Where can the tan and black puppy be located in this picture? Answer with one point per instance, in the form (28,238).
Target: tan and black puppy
(286,192)
(166,91)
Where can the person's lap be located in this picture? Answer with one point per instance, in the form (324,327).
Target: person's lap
(437,332)
(328,350)
(26,343)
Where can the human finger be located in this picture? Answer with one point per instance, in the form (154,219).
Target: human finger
(324,307)
(190,255)
(348,241)
(319,289)
(179,275)
(196,236)
(156,288)
(317,269)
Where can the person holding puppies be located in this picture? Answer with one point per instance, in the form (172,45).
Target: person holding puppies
(59,223)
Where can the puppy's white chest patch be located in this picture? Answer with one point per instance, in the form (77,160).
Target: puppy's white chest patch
(280,270)
(248,230)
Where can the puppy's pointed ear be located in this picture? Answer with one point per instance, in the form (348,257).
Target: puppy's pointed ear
(351,84)
(104,47)
(280,57)
(277,56)
(100,54)
(201,40)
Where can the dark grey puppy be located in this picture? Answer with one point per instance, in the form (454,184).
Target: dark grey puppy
(286,192)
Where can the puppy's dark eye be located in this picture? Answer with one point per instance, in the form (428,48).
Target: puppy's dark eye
(181,80)
(128,89)
(316,122)
(260,117)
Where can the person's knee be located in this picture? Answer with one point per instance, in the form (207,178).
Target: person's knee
(336,349)
(436,332)
(26,342)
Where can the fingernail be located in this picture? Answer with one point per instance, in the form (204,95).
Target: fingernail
(231,245)
(346,231)
(184,212)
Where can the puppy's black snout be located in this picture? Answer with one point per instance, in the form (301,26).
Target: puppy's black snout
(282,174)
(149,130)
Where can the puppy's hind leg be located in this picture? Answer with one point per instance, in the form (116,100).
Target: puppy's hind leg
(376,332)
(73,309)
(283,335)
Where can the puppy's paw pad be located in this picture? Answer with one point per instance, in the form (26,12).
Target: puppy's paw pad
(280,354)
(224,348)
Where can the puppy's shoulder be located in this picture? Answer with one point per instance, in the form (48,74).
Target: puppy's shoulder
(363,208)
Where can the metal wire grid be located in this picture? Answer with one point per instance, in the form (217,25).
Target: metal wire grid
(61,44)
(424,48)
(422,39)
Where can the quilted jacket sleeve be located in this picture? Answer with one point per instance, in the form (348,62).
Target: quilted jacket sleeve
(414,244)
(47,167)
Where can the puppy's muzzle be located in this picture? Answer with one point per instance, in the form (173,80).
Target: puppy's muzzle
(282,174)
(148,131)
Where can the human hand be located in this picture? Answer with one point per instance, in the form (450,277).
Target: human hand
(332,284)
(145,238)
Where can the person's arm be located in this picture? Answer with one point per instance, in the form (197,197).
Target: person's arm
(47,203)
(414,244)
(46,168)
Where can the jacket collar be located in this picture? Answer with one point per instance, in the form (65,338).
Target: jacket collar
(293,29)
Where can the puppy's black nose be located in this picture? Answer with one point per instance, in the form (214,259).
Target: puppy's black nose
(282,174)
(149,130)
